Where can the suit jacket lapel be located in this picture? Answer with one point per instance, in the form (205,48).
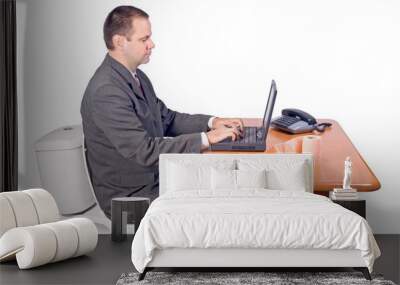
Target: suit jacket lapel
(145,90)
(126,74)
(150,109)
(152,105)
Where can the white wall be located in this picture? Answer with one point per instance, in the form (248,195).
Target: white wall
(335,59)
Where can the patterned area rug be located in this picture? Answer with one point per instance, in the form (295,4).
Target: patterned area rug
(270,278)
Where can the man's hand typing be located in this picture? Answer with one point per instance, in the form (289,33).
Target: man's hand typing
(228,122)
(223,132)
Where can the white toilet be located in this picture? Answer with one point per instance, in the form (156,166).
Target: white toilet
(63,172)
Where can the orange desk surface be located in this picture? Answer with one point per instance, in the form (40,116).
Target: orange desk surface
(335,146)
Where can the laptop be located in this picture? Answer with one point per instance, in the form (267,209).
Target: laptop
(254,138)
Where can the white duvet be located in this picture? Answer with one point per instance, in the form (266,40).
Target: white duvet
(250,219)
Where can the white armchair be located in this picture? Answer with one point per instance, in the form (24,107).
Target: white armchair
(31,232)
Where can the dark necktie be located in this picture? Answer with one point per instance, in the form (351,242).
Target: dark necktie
(139,86)
(137,80)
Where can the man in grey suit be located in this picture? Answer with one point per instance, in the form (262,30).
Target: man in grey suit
(126,126)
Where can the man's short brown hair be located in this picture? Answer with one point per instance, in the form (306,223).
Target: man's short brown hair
(119,22)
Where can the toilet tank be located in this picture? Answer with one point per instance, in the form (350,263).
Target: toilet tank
(62,171)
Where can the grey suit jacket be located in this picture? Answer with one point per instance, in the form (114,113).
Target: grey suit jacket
(124,130)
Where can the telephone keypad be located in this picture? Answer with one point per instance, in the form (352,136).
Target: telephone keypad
(285,121)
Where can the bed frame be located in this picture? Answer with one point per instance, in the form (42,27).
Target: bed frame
(246,258)
(242,259)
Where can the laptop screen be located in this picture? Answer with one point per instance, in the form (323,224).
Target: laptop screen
(270,108)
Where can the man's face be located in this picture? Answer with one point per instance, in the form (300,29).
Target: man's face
(138,46)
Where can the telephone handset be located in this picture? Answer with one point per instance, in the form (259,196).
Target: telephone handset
(295,121)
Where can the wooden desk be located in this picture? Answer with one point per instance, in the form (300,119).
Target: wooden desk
(335,146)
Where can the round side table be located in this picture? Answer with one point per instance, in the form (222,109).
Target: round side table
(124,211)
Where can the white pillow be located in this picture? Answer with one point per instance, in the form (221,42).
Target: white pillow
(186,175)
(251,178)
(223,179)
(280,174)
(181,177)
(288,179)
(226,179)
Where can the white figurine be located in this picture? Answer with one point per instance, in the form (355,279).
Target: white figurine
(347,174)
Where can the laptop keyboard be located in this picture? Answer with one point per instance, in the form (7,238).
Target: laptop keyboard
(250,135)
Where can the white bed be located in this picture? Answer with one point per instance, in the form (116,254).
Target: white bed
(221,211)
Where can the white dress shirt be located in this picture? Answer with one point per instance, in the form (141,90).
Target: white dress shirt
(204,140)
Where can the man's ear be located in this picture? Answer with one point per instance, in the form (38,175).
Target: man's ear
(118,41)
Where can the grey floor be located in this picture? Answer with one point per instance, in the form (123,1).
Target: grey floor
(102,266)
(110,260)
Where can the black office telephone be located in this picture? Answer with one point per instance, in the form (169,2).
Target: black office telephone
(295,121)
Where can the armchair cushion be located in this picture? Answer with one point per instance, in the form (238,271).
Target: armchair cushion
(30,230)
(27,208)
(40,244)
